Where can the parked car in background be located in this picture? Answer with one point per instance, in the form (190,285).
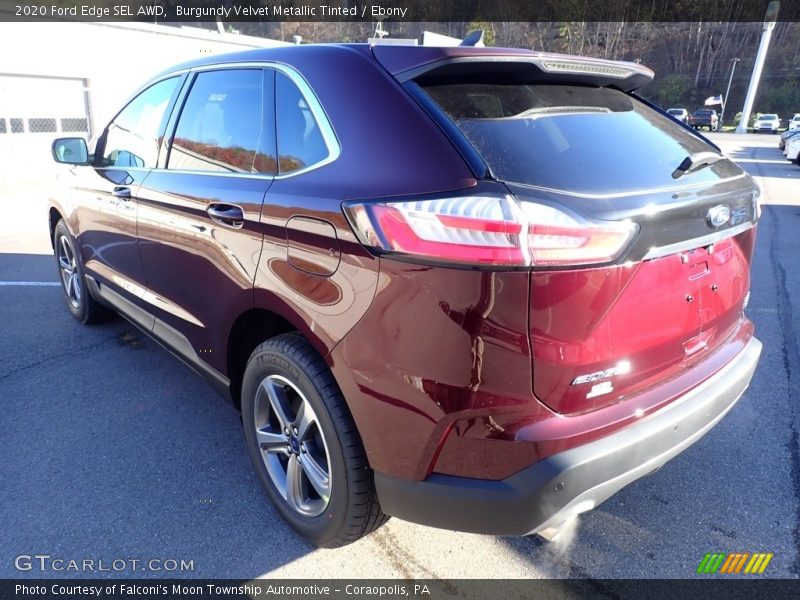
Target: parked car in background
(767,123)
(792,149)
(786,136)
(704,117)
(794,123)
(681,114)
(480,322)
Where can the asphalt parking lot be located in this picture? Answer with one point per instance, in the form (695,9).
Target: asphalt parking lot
(110,448)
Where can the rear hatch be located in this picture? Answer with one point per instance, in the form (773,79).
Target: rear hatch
(641,233)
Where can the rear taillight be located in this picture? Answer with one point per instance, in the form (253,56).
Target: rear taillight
(487,230)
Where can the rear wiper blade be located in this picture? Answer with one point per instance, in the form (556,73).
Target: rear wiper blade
(695,162)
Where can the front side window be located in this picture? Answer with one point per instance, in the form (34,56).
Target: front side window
(226,125)
(300,141)
(132,139)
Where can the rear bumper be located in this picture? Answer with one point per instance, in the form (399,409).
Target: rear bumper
(551,491)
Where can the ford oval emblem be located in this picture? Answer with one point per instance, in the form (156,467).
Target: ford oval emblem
(718,215)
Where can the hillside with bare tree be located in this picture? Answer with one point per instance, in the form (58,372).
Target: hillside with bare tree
(692,60)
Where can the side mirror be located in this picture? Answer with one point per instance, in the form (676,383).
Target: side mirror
(71,151)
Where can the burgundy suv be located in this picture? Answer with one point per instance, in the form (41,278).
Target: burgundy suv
(475,288)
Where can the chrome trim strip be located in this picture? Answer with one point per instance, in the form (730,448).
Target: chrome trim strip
(698,242)
(171,307)
(631,193)
(236,174)
(128,309)
(126,169)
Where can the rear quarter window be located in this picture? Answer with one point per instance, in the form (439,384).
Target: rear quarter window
(301,144)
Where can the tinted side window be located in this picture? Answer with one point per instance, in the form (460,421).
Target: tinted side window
(132,138)
(300,141)
(225,124)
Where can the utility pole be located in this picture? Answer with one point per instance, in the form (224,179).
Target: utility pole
(728,91)
(766,35)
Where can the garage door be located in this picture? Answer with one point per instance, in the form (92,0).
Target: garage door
(33,112)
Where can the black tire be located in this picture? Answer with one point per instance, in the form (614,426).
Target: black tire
(351,510)
(79,300)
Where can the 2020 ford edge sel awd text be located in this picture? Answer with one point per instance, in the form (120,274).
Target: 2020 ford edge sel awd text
(525,293)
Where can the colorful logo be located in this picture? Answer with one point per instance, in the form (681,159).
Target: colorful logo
(734,563)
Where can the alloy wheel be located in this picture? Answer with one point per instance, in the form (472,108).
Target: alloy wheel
(292,446)
(70,278)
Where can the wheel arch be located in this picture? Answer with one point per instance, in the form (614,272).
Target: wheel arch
(53,217)
(254,327)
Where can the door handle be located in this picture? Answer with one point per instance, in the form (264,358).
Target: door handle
(121,192)
(226,214)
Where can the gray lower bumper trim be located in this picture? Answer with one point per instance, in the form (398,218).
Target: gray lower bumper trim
(551,491)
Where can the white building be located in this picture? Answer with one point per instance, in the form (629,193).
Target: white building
(64,78)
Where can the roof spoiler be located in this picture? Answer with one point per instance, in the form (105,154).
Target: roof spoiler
(535,68)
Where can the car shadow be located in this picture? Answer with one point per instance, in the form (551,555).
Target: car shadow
(111,448)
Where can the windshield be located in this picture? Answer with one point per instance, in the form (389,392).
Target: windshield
(675,111)
(768,118)
(576,138)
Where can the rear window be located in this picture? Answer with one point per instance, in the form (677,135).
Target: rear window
(566,137)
